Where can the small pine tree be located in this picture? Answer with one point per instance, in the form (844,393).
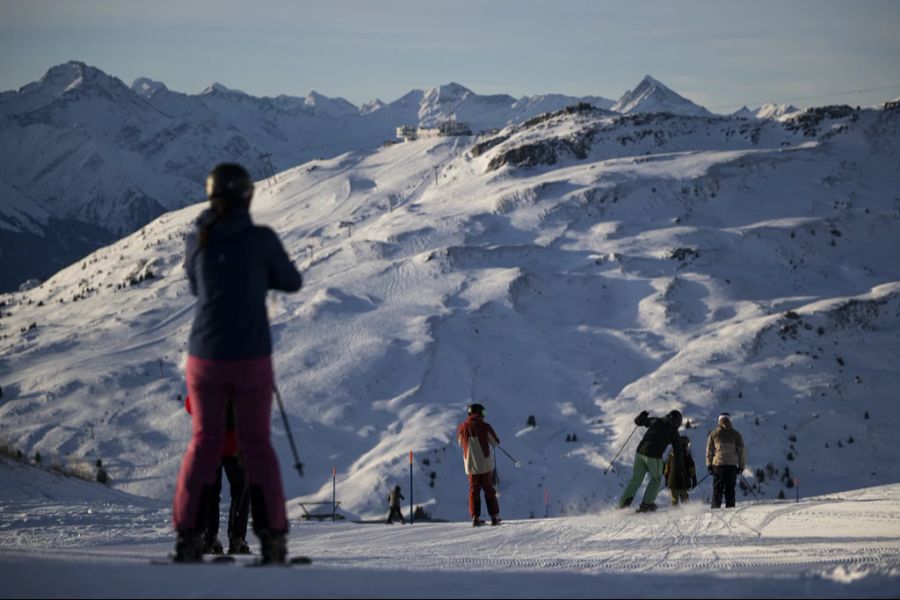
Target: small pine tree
(790,456)
(37,457)
(781,495)
(575,438)
(531,422)
(850,440)
(866,416)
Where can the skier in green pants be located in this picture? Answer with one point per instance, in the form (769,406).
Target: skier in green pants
(649,457)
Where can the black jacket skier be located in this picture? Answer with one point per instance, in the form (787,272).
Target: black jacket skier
(661,433)
(648,459)
(394,499)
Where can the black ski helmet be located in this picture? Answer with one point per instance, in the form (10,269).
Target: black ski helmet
(475,409)
(674,418)
(229,183)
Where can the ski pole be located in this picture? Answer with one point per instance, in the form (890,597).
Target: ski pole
(297,464)
(748,487)
(518,464)
(412,513)
(702,480)
(620,450)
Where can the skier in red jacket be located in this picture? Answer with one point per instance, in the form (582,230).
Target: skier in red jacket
(477,439)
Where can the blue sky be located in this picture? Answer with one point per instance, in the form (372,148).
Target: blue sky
(721,54)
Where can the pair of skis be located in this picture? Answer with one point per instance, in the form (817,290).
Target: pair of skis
(227,559)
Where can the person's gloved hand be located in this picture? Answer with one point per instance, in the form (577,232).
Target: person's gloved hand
(710,468)
(641,419)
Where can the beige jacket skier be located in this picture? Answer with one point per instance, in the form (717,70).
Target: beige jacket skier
(725,446)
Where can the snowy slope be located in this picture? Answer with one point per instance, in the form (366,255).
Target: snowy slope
(578,268)
(98,543)
(83,147)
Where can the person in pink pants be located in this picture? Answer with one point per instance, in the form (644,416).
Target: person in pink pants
(230,265)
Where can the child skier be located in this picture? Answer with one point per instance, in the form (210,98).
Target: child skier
(681,478)
(239,510)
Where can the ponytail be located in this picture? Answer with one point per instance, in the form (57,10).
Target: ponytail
(222,209)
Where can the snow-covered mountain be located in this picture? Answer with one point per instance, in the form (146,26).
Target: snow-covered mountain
(776,111)
(767,111)
(90,152)
(578,267)
(651,96)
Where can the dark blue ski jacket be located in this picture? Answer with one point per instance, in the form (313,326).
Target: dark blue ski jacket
(230,278)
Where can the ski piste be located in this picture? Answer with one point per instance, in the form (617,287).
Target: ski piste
(231,560)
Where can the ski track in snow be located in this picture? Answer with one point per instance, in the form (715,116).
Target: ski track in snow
(848,543)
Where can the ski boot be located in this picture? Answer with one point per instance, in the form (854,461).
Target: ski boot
(273,548)
(188,547)
(643,508)
(477,522)
(625,503)
(495,520)
(212,545)
(238,546)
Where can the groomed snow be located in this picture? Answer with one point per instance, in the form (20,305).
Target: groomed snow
(65,537)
